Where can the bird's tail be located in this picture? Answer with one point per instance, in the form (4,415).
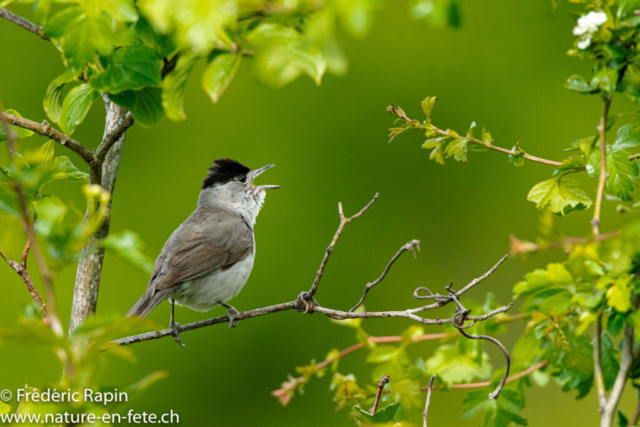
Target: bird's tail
(148,302)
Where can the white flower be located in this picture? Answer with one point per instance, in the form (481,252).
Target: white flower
(587,25)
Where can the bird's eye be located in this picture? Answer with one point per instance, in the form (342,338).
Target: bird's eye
(242,178)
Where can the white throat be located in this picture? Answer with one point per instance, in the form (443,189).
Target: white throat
(246,203)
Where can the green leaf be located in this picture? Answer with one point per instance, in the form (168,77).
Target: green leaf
(145,105)
(499,413)
(427,107)
(619,293)
(578,84)
(384,353)
(81,35)
(628,137)
(128,246)
(610,365)
(621,172)
(383,416)
(45,153)
(51,212)
(53,98)
(219,73)
(131,68)
(453,366)
(173,87)
(76,107)
(282,56)
(623,421)
(572,164)
(63,170)
(561,195)
(458,149)
(20,132)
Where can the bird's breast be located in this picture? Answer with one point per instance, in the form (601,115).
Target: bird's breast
(204,293)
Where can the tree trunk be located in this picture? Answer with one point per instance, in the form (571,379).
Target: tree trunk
(85,297)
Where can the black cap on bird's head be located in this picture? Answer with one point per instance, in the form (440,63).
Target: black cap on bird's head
(224,170)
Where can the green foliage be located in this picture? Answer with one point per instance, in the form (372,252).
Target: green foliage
(498,413)
(383,416)
(561,195)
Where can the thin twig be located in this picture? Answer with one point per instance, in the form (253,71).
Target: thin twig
(384,380)
(636,415)
(21,270)
(306,297)
(46,130)
(408,247)
(597,363)
(602,179)
(21,22)
(426,406)
(113,136)
(459,324)
(488,383)
(444,299)
(519,247)
(56,326)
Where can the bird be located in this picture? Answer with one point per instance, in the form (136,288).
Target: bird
(209,257)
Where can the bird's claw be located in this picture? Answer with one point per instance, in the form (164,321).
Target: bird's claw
(175,332)
(231,313)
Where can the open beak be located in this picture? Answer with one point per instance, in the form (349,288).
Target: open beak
(265,187)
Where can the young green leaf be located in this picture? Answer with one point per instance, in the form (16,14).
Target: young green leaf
(81,34)
(610,365)
(145,105)
(173,87)
(578,84)
(128,246)
(561,195)
(76,107)
(219,73)
(131,68)
(621,172)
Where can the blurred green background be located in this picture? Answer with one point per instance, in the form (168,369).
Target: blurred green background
(504,68)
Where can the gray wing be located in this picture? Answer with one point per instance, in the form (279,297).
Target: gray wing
(209,240)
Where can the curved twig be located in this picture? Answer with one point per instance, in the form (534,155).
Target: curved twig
(426,407)
(406,248)
(461,329)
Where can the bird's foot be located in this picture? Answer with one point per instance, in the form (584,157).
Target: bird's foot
(306,303)
(232,313)
(175,332)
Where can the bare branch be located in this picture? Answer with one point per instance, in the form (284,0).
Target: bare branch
(408,247)
(45,129)
(56,326)
(602,179)
(343,222)
(384,380)
(21,270)
(306,303)
(21,22)
(445,299)
(426,407)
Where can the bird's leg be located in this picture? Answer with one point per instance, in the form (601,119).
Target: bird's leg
(231,312)
(175,331)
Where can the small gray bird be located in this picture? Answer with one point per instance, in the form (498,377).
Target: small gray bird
(209,257)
